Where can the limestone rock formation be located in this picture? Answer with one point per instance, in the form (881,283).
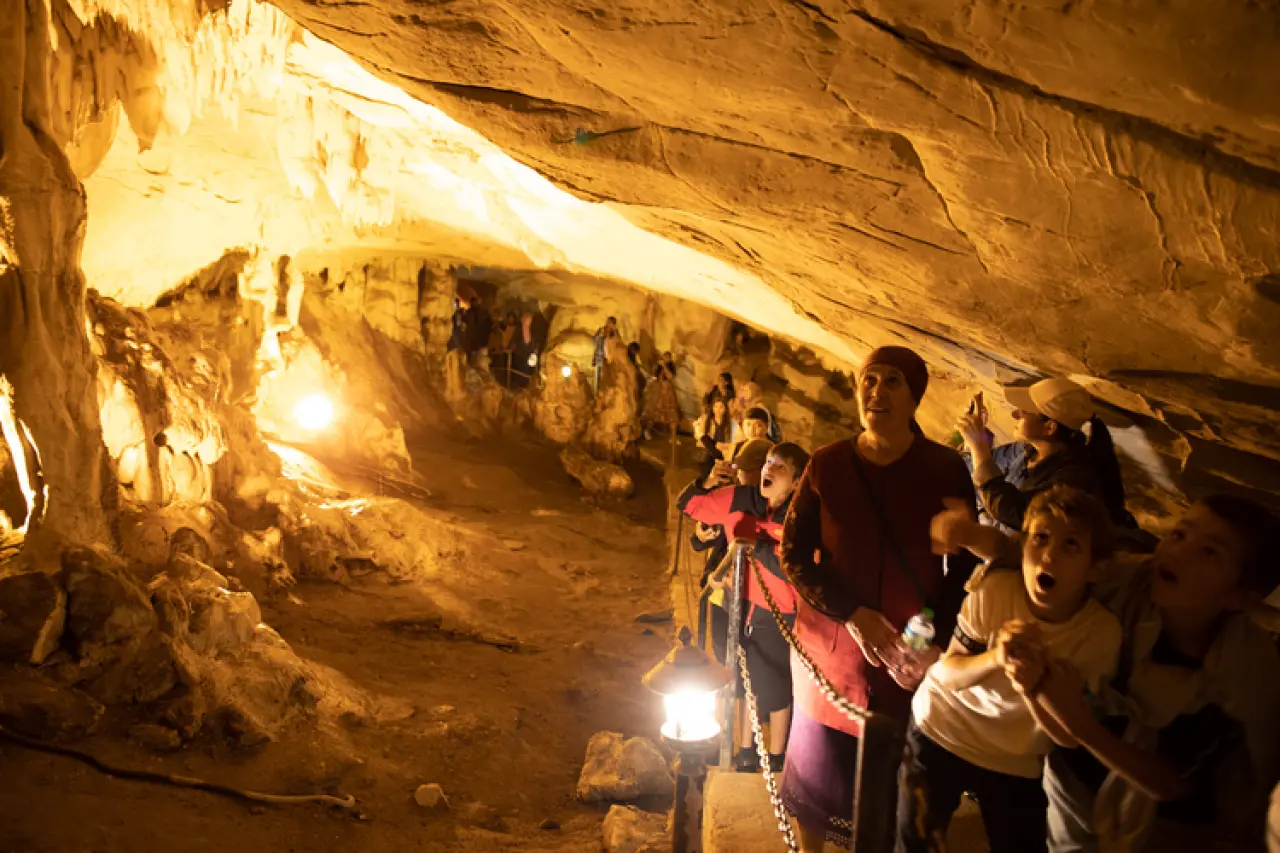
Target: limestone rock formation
(35,706)
(629,830)
(562,407)
(33,611)
(596,476)
(881,172)
(1093,203)
(623,769)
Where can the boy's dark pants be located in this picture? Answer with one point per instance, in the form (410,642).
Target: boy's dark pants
(931,782)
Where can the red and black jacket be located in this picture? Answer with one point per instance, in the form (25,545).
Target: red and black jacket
(744,513)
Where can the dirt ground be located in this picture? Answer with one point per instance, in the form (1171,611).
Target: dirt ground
(503,732)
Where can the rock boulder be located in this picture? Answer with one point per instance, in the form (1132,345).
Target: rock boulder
(32,705)
(104,605)
(600,478)
(33,611)
(629,830)
(621,769)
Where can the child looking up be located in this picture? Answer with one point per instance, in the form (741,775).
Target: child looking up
(977,725)
(755,510)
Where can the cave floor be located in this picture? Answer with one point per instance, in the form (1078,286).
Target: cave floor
(503,732)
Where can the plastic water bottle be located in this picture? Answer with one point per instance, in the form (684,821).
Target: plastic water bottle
(919,632)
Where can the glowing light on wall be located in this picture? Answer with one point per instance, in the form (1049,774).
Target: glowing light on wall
(566,371)
(14,431)
(314,412)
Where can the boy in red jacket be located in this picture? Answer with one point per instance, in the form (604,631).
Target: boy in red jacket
(755,512)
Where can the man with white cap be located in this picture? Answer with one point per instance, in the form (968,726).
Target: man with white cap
(1051,417)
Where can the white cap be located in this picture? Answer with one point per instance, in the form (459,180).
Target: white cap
(1059,399)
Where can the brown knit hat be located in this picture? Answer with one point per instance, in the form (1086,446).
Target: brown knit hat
(912,366)
(752,454)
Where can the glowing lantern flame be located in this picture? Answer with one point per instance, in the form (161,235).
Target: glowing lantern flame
(691,715)
(313,412)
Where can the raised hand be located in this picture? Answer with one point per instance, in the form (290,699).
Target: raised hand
(950,529)
(973,429)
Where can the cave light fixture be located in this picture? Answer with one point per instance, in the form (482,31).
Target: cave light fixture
(566,371)
(314,412)
(689,682)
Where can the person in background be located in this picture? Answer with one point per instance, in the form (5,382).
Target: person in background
(510,326)
(756,512)
(603,339)
(499,349)
(722,390)
(756,422)
(1051,417)
(751,397)
(661,404)
(525,355)
(856,546)
(716,431)
(976,723)
(633,355)
(458,336)
(479,324)
(1190,727)
(713,540)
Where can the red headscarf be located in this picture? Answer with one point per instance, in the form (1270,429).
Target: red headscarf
(912,366)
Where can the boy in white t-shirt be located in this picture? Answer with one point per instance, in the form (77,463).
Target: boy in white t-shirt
(977,725)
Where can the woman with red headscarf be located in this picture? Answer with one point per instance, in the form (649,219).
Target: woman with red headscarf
(856,545)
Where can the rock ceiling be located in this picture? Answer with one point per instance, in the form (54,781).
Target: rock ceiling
(1089,188)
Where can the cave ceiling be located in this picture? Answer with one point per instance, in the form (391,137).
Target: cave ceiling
(1083,188)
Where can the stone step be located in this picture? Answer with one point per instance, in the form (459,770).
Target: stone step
(738,818)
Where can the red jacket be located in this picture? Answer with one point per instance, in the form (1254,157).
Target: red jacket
(744,514)
(860,567)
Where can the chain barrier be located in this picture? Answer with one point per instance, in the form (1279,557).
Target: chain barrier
(770,781)
(824,685)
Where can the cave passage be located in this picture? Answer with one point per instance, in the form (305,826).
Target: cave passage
(359,367)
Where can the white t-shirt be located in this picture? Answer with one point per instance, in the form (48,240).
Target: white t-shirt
(988,724)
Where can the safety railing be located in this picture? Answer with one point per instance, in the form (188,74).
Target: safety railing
(879,747)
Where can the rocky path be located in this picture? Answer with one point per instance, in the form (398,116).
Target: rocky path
(536,649)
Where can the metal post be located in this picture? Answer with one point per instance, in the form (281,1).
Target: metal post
(875,797)
(737,593)
(686,822)
(673,448)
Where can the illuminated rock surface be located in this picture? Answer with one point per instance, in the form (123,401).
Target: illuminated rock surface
(215,214)
(1099,204)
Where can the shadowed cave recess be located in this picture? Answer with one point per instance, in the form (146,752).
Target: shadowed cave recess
(259,524)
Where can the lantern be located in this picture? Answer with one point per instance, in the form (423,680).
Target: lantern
(688,681)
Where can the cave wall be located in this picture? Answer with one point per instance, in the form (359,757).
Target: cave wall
(1015,190)
(44,351)
(881,173)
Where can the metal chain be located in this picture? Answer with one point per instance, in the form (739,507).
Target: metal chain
(825,687)
(770,782)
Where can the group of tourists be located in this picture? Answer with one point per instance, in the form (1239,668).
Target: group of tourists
(513,345)
(1033,648)
(656,398)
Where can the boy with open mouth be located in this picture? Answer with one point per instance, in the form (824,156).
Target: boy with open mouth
(754,510)
(977,724)
(1189,728)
